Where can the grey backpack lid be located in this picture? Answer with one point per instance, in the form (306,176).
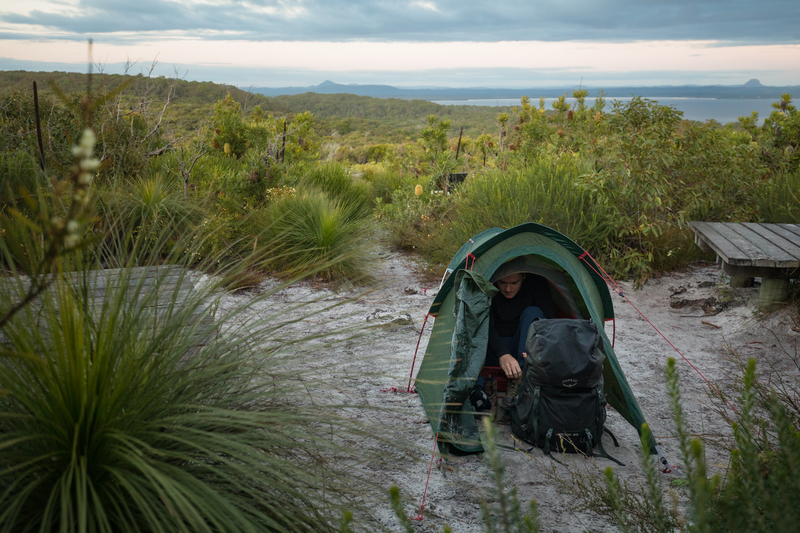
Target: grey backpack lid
(566,353)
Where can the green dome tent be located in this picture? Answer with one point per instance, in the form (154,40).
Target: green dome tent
(456,350)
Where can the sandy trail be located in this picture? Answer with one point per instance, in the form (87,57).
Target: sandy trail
(694,309)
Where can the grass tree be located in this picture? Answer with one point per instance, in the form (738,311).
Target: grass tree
(121,409)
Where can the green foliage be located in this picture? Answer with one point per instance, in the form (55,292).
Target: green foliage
(23,243)
(61,127)
(230,133)
(134,415)
(543,193)
(354,195)
(19,171)
(561,105)
(756,494)
(413,221)
(645,171)
(506,516)
(283,149)
(384,182)
(152,207)
(650,173)
(654,177)
(435,159)
(784,123)
(312,232)
(780,201)
(129,126)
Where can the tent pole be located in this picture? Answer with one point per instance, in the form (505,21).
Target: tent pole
(421,331)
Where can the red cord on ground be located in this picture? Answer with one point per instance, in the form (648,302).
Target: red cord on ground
(422,505)
(618,290)
(399,391)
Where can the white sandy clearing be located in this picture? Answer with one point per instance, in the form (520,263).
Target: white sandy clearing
(381,358)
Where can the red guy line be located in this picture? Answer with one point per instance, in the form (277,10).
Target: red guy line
(618,290)
(422,505)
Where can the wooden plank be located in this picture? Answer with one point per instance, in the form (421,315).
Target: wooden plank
(793,228)
(725,249)
(749,254)
(760,272)
(778,236)
(156,291)
(147,281)
(771,253)
(101,283)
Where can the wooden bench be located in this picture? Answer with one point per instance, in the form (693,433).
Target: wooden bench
(748,250)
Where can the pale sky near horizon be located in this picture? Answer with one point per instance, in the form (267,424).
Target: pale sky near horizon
(506,43)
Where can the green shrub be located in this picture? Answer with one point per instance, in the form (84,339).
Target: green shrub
(411,220)
(153,207)
(24,249)
(18,170)
(311,232)
(130,414)
(385,182)
(758,491)
(544,192)
(336,182)
(230,131)
(780,201)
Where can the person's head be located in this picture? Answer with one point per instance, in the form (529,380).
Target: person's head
(510,285)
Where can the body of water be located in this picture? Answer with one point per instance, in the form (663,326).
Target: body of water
(701,109)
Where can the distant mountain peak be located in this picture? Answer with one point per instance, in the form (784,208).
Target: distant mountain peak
(329,83)
(753,83)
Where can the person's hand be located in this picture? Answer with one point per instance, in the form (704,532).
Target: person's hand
(510,366)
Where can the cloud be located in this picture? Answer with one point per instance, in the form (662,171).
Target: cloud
(730,21)
(430,6)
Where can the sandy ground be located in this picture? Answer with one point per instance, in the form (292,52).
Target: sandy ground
(695,310)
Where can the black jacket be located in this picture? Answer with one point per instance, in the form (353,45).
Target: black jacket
(505,312)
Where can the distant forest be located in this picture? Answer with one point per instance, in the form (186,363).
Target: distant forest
(354,120)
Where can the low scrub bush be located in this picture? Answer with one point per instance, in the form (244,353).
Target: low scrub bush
(336,182)
(153,207)
(312,232)
(384,182)
(756,494)
(544,192)
(19,170)
(780,200)
(412,219)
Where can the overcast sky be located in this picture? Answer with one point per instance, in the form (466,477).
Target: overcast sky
(499,43)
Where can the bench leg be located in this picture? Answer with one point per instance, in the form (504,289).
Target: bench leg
(773,293)
(741,281)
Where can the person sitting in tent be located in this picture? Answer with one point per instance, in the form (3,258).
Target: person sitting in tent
(522,299)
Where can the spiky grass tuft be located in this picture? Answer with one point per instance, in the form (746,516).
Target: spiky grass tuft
(124,408)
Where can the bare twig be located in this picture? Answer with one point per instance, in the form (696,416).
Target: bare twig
(38,124)
(186,164)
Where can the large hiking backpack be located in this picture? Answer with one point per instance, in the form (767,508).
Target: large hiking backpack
(561,404)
